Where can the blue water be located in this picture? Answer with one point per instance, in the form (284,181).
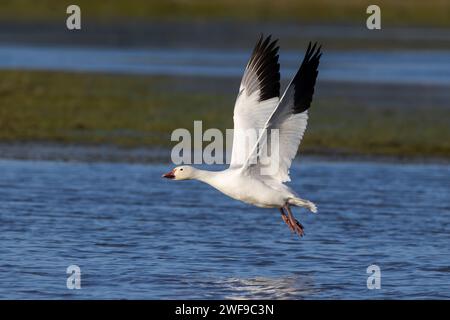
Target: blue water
(403,66)
(136,235)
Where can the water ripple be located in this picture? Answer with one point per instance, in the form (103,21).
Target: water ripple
(136,236)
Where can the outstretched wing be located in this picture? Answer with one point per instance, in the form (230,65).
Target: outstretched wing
(258,96)
(289,119)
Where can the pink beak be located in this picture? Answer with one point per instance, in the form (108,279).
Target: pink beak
(169,175)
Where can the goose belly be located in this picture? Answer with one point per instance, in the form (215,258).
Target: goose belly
(254,192)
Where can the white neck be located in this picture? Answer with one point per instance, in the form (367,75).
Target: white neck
(204,176)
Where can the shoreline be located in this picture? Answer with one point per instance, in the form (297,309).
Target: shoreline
(72,110)
(51,151)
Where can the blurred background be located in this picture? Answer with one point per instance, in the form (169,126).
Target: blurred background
(377,150)
(139,69)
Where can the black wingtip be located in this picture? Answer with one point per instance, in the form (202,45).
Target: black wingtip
(264,61)
(305,79)
(313,51)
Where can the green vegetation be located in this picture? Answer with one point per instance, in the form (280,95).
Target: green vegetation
(135,111)
(92,108)
(412,12)
(397,131)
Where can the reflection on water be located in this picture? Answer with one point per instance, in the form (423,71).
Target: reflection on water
(288,287)
(136,235)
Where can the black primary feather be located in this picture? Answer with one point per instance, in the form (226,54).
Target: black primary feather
(264,62)
(305,79)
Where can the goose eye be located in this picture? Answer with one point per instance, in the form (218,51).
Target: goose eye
(181,169)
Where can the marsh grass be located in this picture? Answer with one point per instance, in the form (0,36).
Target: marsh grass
(412,12)
(91,108)
(133,111)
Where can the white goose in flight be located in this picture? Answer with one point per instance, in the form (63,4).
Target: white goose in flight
(283,120)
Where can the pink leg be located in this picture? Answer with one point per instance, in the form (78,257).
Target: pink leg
(286,219)
(295,224)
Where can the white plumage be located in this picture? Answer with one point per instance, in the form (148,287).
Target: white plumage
(267,133)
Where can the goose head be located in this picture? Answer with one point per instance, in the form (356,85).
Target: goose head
(180,173)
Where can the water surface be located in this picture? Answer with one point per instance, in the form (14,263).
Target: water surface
(135,235)
(400,67)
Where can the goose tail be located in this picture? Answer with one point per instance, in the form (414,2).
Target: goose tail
(303,203)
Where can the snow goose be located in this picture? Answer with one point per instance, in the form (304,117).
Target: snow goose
(282,120)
